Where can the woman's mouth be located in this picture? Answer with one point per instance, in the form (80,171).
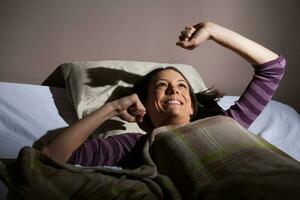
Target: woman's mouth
(172,102)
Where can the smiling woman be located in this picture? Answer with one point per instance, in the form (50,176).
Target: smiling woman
(201,160)
(165,97)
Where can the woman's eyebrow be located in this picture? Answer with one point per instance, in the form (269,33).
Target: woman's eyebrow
(180,80)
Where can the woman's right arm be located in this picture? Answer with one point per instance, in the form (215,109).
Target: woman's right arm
(62,146)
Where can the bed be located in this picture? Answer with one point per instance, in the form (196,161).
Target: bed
(27,112)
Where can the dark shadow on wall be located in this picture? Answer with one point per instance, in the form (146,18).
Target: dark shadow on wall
(98,77)
(102,76)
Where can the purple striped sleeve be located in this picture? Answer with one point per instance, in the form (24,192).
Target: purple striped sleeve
(105,151)
(258,92)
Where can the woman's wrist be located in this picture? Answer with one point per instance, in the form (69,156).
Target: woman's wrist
(110,110)
(211,29)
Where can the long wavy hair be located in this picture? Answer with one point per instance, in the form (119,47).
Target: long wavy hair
(204,103)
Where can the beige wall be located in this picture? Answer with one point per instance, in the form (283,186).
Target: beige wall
(38,35)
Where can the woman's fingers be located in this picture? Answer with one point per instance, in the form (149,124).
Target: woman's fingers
(127,117)
(133,116)
(192,36)
(137,106)
(187,33)
(187,44)
(133,110)
(140,117)
(186,38)
(138,111)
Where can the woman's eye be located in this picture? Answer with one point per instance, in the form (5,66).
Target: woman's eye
(183,85)
(161,84)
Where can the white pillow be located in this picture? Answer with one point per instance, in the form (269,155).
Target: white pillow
(91,84)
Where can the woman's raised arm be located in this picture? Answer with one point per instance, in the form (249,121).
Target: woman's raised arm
(269,67)
(253,52)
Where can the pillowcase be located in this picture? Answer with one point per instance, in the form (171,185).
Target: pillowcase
(90,84)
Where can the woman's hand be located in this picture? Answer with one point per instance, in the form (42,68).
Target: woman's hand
(129,108)
(192,36)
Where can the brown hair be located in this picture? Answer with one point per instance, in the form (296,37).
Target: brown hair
(204,103)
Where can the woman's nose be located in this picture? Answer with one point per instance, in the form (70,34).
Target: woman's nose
(172,90)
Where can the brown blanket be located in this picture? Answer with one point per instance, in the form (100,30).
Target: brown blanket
(214,158)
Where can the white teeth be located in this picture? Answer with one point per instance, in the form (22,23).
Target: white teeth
(174,102)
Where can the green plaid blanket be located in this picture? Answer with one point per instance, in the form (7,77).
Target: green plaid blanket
(214,158)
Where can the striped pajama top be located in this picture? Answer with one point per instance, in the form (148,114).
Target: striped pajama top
(125,150)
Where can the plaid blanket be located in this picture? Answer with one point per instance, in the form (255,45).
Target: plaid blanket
(214,158)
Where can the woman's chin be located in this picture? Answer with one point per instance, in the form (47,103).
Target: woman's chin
(173,112)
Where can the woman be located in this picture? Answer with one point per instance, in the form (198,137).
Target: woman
(169,101)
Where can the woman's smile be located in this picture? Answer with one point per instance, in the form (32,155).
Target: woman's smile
(171,103)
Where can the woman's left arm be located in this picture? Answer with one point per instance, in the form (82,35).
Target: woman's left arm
(269,67)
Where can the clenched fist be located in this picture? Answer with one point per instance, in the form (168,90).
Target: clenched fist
(129,108)
(192,36)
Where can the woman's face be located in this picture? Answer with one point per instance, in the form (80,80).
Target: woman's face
(169,100)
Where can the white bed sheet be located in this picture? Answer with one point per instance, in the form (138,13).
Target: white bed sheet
(28,111)
(279,124)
